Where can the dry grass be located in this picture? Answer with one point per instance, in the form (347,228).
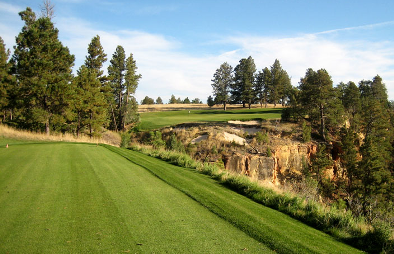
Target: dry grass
(108,137)
(170,107)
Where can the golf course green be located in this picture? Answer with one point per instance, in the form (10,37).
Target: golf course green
(155,120)
(83,198)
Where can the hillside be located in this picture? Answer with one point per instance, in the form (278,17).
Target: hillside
(83,198)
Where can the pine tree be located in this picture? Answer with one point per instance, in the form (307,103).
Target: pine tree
(279,84)
(43,67)
(116,73)
(352,103)
(261,86)
(242,88)
(159,100)
(130,105)
(210,101)
(349,158)
(315,92)
(96,57)
(186,101)
(172,100)
(5,80)
(90,103)
(221,83)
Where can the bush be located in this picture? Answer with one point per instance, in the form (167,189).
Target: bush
(262,138)
(125,139)
(175,145)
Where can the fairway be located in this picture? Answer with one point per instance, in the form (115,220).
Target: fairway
(155,120)
(82,198)
(77,198)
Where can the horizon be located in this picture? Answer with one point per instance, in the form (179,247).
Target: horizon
(178,45)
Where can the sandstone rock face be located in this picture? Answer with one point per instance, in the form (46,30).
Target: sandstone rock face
(286,161)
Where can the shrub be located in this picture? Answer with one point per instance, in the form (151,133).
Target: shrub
(175,145)
(262,138)
(306,132)
(125,139)
(269,153)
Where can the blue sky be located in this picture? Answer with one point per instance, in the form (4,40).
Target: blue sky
(178,45)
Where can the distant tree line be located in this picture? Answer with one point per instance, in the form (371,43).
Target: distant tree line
(243,84)
(148,101)
(39,92)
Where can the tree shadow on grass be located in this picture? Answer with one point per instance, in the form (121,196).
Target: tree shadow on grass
(239,112)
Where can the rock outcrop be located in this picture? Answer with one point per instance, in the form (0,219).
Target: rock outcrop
(286,161)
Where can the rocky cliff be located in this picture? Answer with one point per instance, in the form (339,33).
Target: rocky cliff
(286,161)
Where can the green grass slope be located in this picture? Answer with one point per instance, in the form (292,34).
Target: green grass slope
(79,198)
(155,120)
(274,229)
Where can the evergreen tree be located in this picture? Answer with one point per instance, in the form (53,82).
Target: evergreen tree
(221,83)
(5,80)
(159,100)
(130,105)
(147,101)
(349,158)
(242,88)
(315,92)
(352,103)
(374,176)
(186,101)
(43,67)
(263,79)
(196,101)
(210,101)
(279,83)
(172,100)
(96,58)
(374,168)
(90,103)
(116,72)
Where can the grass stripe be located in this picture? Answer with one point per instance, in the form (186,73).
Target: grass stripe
(276,230)
(79,198)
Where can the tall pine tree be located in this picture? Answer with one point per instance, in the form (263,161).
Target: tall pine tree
(116,73)
(242,88)
(221,83)
(43,67)
(5,80)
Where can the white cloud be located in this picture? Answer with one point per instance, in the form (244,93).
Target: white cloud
(345,61)
(167,70)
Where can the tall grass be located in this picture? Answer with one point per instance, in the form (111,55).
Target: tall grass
(108,137)
(339,223)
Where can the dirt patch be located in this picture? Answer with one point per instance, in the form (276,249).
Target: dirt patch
(234,138)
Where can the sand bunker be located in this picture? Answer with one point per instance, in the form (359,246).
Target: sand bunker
(199,139)
(245,122)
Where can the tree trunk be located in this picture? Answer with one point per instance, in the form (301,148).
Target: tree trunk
(225,106)
(243,104)
(114,118)
(47,127)
(90,123)
(120,111)
(79,123)
(322,122)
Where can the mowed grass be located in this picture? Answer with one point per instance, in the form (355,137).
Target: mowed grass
(155,120)
(79,198)
(277,231)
